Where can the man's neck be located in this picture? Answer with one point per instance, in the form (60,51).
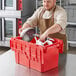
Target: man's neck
(52,8)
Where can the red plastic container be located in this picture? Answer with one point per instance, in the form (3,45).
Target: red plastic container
(41,58)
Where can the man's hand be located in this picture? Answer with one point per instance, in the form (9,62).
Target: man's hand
(43,36)
(24,27)
(20,30)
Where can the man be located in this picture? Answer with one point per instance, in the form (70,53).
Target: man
(51,20)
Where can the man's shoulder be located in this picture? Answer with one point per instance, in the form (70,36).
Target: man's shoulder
(59,8)
(40,8)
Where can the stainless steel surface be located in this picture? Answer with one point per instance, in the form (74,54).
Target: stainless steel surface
(72,42)
(5,43)
(72,1)
(70,7)
(3,29)
(12,10)
(71,23)
(10,14)
(0,29)
(0,4)
(71,34)
(3,4)
(8,30)
(10,22)
(10,4)
(6,33)
(8,67)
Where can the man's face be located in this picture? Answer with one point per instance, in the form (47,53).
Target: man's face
(48,4)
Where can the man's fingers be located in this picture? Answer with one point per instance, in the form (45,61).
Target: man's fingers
(20,30)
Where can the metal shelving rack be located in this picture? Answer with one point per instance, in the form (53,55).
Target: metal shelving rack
(67,4)
(38,4)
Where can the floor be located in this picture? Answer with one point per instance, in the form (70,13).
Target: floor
(72,50)
(3,49)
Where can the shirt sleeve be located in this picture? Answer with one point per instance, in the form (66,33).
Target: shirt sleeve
(62,19)
(33,20)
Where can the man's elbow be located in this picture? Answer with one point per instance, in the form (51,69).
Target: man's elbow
(59,27)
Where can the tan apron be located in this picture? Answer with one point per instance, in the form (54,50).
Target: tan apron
(55,35)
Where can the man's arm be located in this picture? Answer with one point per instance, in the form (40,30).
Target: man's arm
(25,25)
(59,25)
(53,29)
(32,21)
